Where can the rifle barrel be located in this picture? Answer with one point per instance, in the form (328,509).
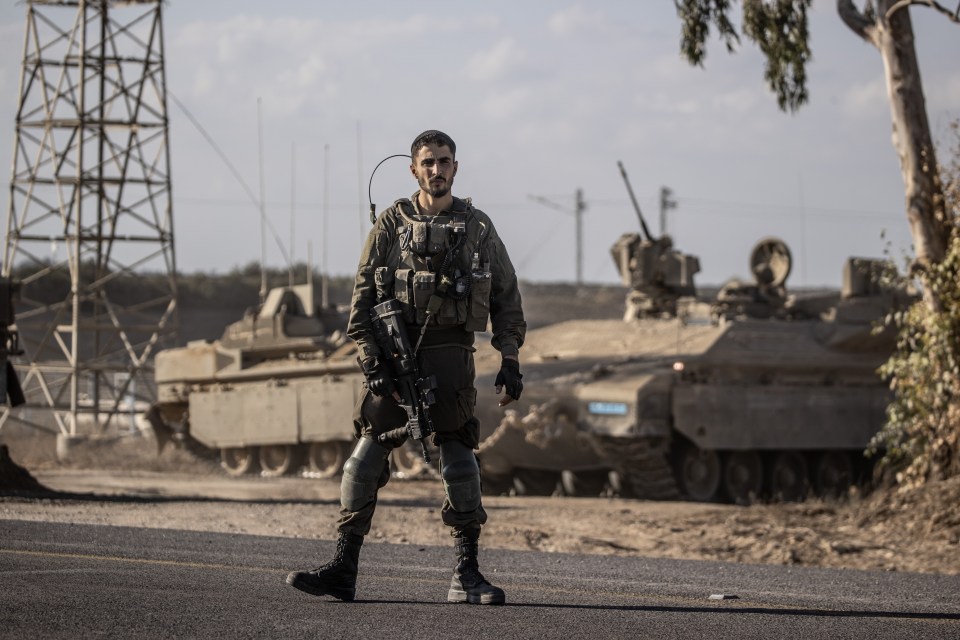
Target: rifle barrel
(633,199)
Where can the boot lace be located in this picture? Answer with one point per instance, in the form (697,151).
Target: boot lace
(338,557)
(470,575)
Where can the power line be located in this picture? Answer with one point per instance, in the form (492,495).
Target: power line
(577,213)
(233,170)
(700,203)
(692,205)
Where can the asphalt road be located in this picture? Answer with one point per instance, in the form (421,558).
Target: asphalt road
(62,580)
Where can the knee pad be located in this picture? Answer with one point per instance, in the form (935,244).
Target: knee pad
(361,474)
(461,476)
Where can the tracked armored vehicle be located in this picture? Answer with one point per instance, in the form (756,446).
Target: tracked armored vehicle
(755,395)
(275,394)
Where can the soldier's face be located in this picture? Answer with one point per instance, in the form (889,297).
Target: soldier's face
(434,169)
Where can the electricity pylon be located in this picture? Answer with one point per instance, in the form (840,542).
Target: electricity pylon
(90,226)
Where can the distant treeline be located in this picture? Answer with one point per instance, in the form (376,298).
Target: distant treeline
(207,302)
(238,288)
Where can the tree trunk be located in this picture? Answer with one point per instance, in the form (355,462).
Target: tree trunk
(893,37)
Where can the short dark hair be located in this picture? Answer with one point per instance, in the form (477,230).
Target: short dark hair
(432,136)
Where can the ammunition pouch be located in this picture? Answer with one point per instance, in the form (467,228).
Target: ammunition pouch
(424,287)
(427,238)
(432,280)
(479,302)
(414,290)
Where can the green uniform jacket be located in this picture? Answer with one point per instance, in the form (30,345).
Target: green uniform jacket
(382,249)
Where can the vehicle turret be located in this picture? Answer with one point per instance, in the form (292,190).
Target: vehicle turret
(657,274)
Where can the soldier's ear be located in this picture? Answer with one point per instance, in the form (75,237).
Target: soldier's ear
(455,166)
(413,169)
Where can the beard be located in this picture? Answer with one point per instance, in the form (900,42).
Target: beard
(436,189)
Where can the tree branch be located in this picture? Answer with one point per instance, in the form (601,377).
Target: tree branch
(953,16)
(858,23)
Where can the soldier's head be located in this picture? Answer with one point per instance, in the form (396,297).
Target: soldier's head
(432,136)
(433,162)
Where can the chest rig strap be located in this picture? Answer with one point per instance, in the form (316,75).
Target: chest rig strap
(416,237)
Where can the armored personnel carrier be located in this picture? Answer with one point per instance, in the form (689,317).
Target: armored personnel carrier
(755,395)
(275,393)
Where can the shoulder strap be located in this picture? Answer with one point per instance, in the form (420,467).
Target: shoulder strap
(405,208)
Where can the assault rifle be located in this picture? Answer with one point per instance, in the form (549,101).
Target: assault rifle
(416,392)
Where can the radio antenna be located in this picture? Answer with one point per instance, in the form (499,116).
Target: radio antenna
(373,207)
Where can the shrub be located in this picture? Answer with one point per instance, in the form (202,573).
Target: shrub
(921,438)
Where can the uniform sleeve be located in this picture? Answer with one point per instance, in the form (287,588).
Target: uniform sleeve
(374,255)
(506,310)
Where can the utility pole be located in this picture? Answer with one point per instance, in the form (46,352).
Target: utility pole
(666,203)
(579,208)
(578,214)
(324,278)
(263,211)
(293,210)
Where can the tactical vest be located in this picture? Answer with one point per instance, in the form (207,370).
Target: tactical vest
(443,274)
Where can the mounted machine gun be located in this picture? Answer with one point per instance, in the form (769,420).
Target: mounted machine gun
(657,274)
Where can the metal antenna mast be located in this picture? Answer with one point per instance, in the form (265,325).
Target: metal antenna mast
(90,226)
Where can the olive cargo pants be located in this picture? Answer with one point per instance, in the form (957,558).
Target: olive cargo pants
(453,419)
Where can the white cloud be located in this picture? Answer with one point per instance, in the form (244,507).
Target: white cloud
(945,94)
(741,100)
(503,58)
(577,20)
(508,103)
(11,35)
(556,130)
(663,103)
(336,67)
(244,54)
(307,73)
(863,96)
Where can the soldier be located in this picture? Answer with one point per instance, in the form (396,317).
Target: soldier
(415,250)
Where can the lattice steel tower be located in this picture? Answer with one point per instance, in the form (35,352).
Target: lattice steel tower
(90,225)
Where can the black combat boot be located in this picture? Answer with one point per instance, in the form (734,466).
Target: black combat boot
(337,578)
(468,584)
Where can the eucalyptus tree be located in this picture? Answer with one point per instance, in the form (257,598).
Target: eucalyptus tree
(780,29)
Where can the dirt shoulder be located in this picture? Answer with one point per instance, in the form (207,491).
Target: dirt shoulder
(911,531)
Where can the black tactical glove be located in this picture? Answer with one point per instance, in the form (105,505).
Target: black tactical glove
(509,378)
(378,379)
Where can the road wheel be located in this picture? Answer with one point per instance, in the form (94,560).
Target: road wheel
(277,459)
(536,482)
(743,476)
(788,477)
(590,483)
(619,484)
(699,473)
(325,459)
(407,460)
(237,461)
(833,474)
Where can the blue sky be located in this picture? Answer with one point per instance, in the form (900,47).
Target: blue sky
(542,98)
